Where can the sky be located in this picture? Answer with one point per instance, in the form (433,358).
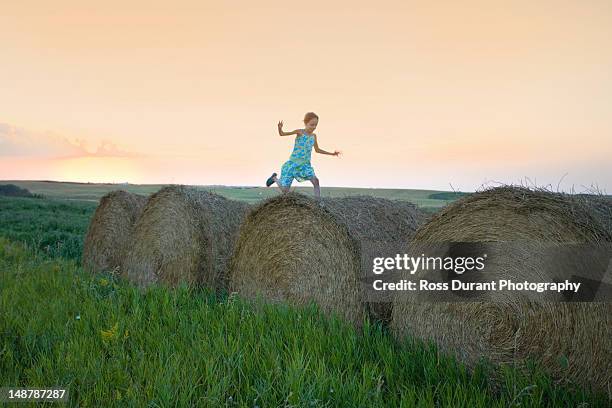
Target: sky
(415,94)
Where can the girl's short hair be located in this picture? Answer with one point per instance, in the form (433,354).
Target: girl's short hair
(309,116)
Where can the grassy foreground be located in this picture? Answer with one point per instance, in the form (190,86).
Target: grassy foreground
(113,345)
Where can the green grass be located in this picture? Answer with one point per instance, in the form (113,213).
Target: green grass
(53,227)
(447,195)
(113,345)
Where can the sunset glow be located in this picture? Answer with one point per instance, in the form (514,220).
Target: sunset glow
(415,94)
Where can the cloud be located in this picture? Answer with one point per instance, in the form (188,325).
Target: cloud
(110,149)
(18,142)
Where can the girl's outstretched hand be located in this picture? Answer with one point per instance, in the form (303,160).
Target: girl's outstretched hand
(337,153)
(280,126)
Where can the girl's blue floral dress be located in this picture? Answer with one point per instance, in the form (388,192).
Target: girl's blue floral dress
(298,166)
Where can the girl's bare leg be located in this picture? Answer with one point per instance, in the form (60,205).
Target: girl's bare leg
(317,189)
(284,189)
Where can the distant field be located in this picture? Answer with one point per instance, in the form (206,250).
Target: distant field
(428,199)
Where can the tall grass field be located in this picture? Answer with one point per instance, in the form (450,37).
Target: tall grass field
(111,344)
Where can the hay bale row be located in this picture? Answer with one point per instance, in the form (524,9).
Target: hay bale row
(515,226)
(109,230)
(293,248)
(184,236)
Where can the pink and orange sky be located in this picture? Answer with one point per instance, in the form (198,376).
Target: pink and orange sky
(416,94)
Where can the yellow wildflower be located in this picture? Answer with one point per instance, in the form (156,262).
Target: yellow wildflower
(111,333)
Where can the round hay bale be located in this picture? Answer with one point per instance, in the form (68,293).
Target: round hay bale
(600,207)
(184,236)
(109,230)
(516,227)
(292,248)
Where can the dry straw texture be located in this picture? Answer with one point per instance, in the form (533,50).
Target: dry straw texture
(570,340)
(291,248)
(110,229)
(184,236)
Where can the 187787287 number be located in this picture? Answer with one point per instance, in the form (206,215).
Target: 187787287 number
(11,394)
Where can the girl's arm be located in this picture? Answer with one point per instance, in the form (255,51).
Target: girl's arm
(282,133)
(319,150)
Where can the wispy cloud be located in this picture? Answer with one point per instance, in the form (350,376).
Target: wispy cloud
(110,149)
(19,142)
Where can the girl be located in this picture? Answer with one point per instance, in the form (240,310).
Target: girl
(298,166)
